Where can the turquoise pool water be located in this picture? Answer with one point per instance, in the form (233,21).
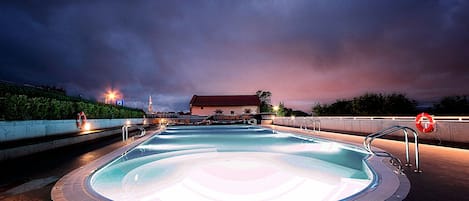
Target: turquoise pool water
(233,163)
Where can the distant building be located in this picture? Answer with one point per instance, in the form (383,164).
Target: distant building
(225,105)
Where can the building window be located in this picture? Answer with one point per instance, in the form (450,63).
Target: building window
(201,108)
(247,111)
(232,112)
(218,111)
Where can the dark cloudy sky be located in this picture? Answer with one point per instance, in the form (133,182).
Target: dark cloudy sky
(304,52)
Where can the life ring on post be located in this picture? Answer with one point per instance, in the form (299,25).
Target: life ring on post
(81,120)
(252,121)
(425,126)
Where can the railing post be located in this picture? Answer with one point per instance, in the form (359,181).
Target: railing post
(125,132)
(319,125)
(407,158)
(417,160)
(369,139)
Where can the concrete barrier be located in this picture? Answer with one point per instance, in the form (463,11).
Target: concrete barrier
(449,129)
(19,130)
(19,151)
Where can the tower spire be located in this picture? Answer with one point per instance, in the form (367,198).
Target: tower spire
(150,105)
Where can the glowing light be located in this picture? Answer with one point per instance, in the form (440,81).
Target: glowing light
(276,108)
(174,146)
(87,127)
(280,135)
(308,147)
(111,96)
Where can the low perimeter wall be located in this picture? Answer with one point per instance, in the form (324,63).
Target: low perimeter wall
(449,129)
(18,130)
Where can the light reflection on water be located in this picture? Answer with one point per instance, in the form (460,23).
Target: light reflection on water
(170,165)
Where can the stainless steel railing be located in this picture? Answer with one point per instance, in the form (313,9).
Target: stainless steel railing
(369,139)
(310,123)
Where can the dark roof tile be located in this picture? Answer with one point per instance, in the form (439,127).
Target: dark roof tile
(233,100)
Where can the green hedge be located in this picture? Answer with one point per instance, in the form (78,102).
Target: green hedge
(22,107)
(27,103)
(34,91)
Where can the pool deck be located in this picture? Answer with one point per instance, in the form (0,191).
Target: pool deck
(445,173)
(445,170)
(73,186)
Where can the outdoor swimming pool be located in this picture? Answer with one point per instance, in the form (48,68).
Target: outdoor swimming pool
(234,163)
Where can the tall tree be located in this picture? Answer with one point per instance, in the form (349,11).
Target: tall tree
(281,110)
(264,97)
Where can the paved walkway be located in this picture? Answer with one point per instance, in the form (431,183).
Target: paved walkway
(32,177)
(445,173)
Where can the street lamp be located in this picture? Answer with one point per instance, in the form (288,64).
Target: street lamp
(276,109)
(111,96)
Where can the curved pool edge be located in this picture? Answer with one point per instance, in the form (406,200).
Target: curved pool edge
(397,185)
(387,186)
(74,185)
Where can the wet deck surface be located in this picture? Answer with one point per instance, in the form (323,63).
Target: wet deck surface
(445,173)
(32,177)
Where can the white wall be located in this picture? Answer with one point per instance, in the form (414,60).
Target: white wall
(238,110)
(17,130)
(447,129)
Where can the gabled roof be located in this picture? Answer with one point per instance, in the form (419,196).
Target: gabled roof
(235,100)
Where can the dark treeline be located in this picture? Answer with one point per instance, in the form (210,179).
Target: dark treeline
(452,105)
(282,111)
(392,104)
(47,103)
(287,112)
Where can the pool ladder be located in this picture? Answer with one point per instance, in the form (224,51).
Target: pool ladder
(315,124)
(394,160)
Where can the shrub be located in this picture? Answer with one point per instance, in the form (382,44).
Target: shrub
(27,103)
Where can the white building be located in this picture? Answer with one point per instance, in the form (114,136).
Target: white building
(224,105)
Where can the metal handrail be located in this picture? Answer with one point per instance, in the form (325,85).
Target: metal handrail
(369,139)
(396,118)
(125,131)
(314,122)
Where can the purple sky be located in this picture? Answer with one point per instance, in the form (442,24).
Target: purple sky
(304,52)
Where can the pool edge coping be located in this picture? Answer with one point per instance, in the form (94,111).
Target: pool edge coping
(384,170)
(74,185)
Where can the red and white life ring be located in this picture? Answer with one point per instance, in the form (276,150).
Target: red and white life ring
(425,126)
(81,120)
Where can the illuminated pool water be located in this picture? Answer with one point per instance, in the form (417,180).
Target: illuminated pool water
(234,163)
